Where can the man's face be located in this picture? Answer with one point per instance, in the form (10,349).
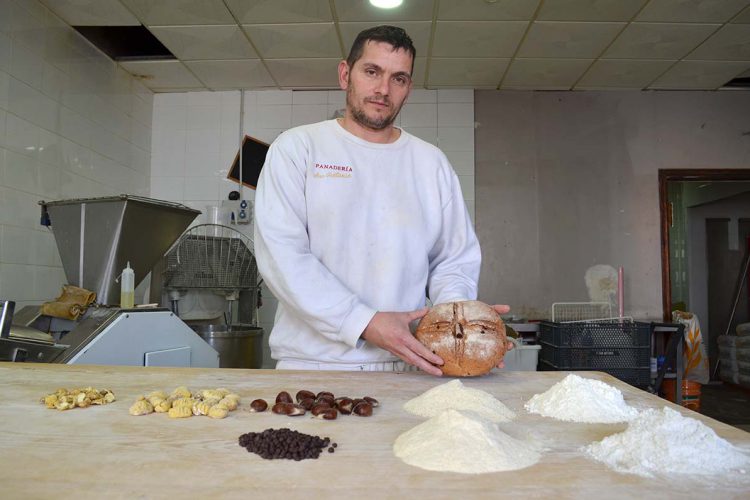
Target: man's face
(377,85)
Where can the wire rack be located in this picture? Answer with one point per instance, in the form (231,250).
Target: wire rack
(211,256)
(564,312)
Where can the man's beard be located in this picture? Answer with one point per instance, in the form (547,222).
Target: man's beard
(361,117)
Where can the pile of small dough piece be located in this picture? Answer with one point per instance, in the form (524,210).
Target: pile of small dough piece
(181,403)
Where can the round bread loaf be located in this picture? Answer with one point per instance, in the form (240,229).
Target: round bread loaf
(469,336)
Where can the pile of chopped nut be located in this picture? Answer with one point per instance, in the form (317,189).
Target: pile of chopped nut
(63,399)
(181,403)
(323,405)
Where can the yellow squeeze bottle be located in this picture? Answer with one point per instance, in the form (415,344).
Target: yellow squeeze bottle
(127,288)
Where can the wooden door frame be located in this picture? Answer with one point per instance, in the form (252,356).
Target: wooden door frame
(666,175)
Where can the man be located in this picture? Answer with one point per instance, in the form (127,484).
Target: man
(356,219)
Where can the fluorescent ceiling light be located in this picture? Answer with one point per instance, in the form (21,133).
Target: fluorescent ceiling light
(386,4)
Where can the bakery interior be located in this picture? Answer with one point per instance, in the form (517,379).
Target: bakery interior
(603,151)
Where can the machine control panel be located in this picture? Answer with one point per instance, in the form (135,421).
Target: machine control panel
(238,211)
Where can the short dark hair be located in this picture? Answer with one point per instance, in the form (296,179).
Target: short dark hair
(392,35)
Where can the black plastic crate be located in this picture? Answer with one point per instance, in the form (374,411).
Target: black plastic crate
(621,349)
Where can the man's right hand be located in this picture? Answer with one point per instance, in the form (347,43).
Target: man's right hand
(390,331)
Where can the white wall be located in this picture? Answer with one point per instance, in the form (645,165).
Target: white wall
(569,180)
(196,137)
(72,125)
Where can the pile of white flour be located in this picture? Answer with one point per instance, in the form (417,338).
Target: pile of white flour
(454,395)
(578,399)
(455,441)
(663,441)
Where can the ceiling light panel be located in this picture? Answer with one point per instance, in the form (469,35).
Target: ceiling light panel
(361,10)
(280,11)
(247,73)
(546,74)
(162,74)
(730,43)
(315,73)
(205,42)
(622,73)
(281,41)
(477,38)
(690,11)
(466,72)
(180,12)
(706,75)
(473,10)
(743,17)
(658,40)
(589,10)
(92,12)
(386,4)
(568,40)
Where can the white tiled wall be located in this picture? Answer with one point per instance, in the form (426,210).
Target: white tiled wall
(72,125)
(196,137)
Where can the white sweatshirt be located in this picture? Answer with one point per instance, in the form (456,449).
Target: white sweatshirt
(345,228)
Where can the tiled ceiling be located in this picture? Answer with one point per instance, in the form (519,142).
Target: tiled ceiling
(484,44)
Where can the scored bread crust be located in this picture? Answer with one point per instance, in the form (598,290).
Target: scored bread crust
(469,336)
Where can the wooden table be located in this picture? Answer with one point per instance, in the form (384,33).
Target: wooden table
(102,452)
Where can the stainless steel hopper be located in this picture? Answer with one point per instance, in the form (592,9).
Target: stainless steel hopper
(96,237)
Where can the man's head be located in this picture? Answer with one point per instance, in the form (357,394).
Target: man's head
(392,35)
(377,76)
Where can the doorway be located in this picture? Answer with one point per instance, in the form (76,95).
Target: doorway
(705,223)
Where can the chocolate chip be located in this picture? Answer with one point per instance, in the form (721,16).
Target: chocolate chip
(284,443)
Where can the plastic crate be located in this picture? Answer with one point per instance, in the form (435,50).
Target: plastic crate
(621,349)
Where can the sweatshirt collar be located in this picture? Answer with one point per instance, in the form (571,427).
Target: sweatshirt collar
(400,142)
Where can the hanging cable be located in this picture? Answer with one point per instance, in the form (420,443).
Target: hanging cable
(241,137)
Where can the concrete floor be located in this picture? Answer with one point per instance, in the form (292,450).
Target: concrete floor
(726,403)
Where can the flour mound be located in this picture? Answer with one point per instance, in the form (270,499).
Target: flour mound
(663,441)
(463,442)
(578,399)
(454,395)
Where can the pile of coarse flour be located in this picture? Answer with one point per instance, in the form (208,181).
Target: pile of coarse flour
(663,441)
(578,399)
(454,395)
(455,441)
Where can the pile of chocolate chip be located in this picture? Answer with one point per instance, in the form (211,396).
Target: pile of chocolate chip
(273,444)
